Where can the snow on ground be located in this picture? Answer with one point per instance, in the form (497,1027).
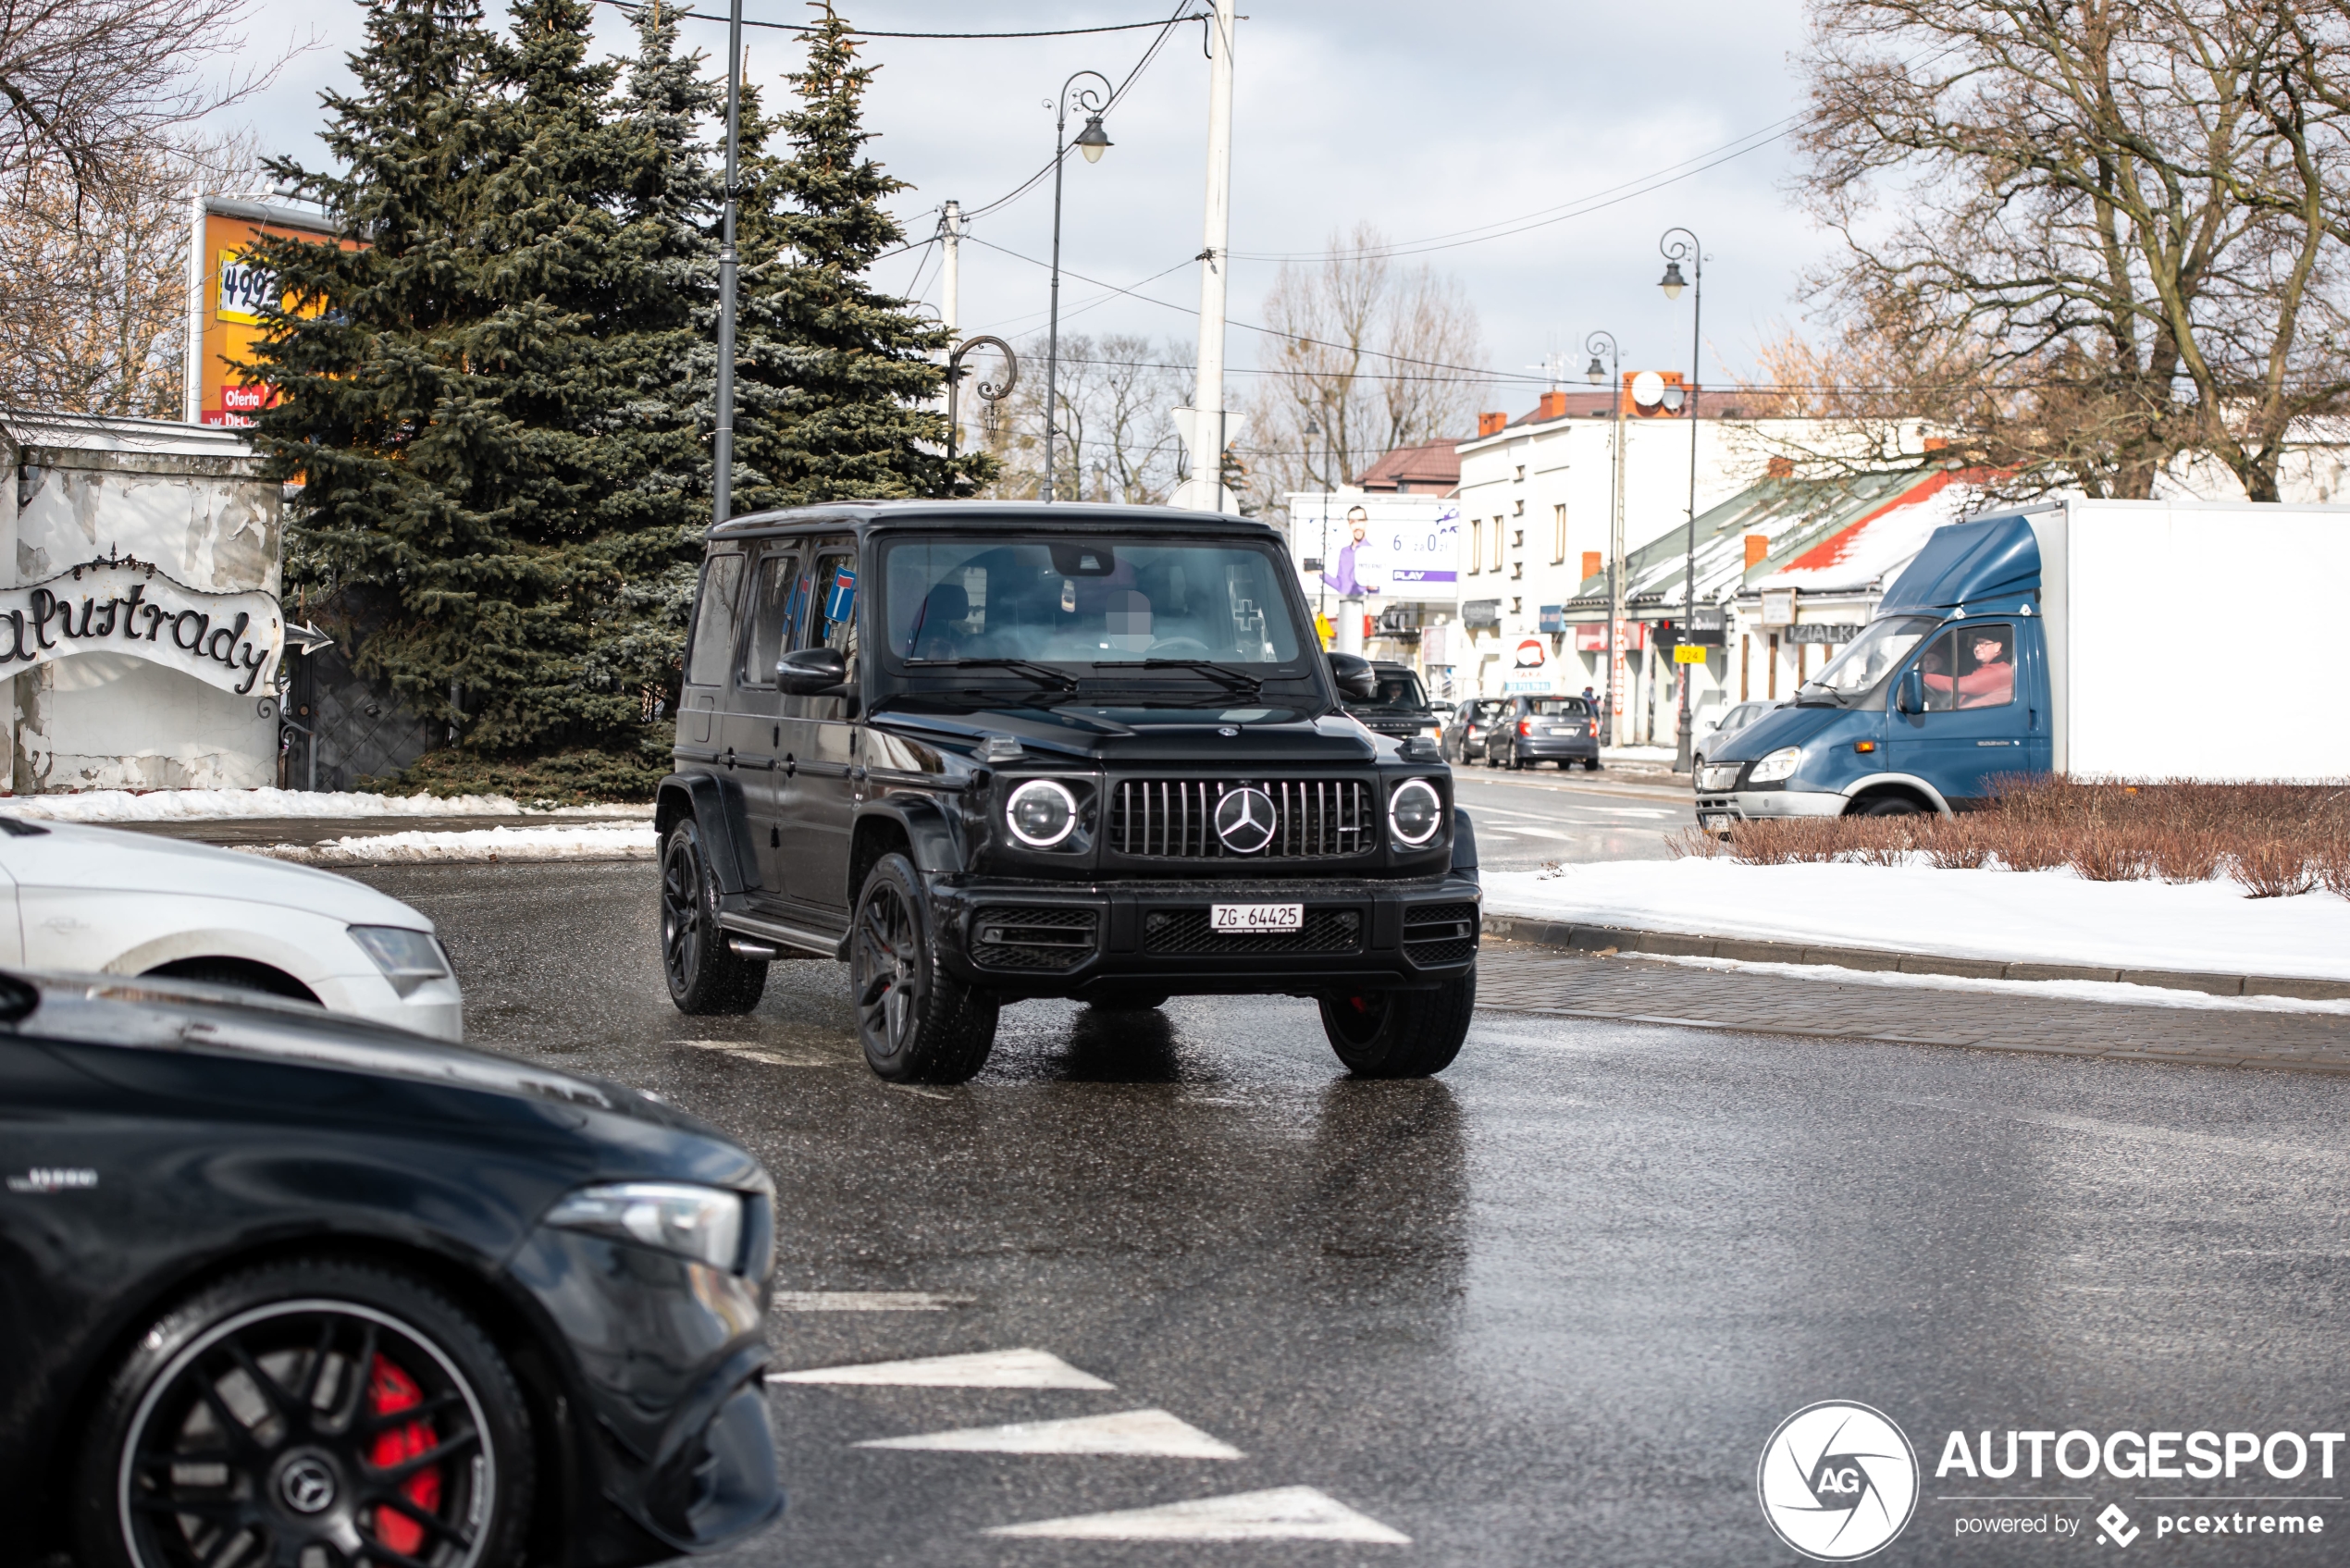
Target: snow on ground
(633,842)
(2015,917)
(198,804)
(2115,991)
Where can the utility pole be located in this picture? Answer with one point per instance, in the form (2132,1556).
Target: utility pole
(1205,488)
(1674,250)
(722,483)
(951,277)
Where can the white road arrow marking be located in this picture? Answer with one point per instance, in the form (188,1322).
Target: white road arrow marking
(1286,1513)
(1140,1433)
(867,1300)
(983,1369)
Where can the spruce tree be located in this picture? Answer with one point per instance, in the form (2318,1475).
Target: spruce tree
(493,412)
(835,380)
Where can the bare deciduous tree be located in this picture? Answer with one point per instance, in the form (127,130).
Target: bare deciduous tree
(2094,237)
(95,88)
(1370,357)
(1116,442)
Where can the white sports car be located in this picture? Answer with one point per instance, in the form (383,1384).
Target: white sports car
(99,900)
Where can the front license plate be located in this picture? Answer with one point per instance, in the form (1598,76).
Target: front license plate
(1710,820)
(1243,918)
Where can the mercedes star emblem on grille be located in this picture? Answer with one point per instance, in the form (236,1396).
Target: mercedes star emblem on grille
(1245,821)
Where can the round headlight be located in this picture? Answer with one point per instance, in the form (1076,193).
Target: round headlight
(1041,813)
(1414,811)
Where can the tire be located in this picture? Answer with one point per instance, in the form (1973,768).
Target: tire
(1517,762)
(705,975)
(1590,764)
(1400,1034)
(273,1349)
(1889,806)
(917,1024)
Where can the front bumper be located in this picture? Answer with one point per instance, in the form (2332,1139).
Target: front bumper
(435,1008)
(1026,938)
(675,1454)
(1718,809)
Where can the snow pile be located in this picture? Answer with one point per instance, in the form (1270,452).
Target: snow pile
(2108,991)
(2012,917)
(201,805)
(635,841)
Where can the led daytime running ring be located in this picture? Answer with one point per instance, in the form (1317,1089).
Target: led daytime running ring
(1011,816)
(1436,811)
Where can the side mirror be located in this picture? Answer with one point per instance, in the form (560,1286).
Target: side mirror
(1352,673)
(811,672)
(1909,696)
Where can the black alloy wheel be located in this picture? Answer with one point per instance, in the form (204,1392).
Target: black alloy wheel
(917,1025)
(1400,1034)
(324,1414)
(705,974)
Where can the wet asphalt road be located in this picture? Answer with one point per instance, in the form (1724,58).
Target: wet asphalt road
(1525,819)
(1544,1309)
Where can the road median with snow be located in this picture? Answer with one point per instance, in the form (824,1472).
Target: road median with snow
(2050,925)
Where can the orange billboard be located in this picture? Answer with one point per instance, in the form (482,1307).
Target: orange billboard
(226,294)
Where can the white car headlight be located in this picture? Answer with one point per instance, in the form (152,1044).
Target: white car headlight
(1414,811)
(408,958)
(1041,813)
(1779,764)
(701,1223)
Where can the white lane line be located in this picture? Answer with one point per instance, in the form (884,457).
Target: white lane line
(1139,1432)
(867,1300)
(1285,1514)
(756,1054)
(982,1369)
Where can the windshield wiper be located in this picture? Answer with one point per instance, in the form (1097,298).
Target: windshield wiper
(1832,697)
(1043,674)
(1238,682)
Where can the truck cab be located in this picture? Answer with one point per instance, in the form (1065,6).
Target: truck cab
(988,751)
(1945,691)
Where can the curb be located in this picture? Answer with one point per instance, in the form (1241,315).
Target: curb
(1682,945)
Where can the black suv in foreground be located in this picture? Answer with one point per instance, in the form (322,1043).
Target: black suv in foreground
(985,752)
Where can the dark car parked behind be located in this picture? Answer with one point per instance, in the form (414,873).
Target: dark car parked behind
(1464,731)
(279,1288)
(1399,707)
(1533,730)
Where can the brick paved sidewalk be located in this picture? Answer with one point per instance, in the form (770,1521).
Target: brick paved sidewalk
(1522,978)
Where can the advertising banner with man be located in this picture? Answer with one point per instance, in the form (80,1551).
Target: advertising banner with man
(1381,548)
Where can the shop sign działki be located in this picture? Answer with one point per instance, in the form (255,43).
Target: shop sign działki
(121,605)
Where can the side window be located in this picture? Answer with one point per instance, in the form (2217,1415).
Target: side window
(1985,664)
(1941,681)
(713,643)
(768,634)
(831,621)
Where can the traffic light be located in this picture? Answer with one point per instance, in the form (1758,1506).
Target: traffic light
(1666,633)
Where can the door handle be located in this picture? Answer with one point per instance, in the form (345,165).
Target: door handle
(790,767)
(858,772)
(730,758)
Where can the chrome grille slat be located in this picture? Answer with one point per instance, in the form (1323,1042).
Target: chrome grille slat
(1174,819)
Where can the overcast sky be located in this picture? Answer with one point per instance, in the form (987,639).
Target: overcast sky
(1426,121)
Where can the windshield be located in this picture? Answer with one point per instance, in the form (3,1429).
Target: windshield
(1085,603)
(1399,692)
(1871,656)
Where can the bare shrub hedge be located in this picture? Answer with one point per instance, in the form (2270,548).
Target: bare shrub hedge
(2274,840)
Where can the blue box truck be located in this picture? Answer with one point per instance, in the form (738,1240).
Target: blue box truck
(2100,639)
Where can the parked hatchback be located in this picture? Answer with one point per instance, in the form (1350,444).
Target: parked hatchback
(1729,723)
(286,1288)
(1533,730)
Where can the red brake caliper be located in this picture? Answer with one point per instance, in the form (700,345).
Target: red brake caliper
(390,1391)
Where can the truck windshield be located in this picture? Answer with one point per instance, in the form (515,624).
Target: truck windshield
(1869,658)
(1091,605)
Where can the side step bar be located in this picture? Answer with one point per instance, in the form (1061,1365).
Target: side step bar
(790,942)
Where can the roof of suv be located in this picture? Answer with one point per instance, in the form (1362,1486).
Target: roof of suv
(1076,515)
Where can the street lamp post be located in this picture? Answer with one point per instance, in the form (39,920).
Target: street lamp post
(1092,141)
(1613,371)
(1321,587)
(721,454)
(1674,251)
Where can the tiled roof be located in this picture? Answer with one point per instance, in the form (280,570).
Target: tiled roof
(1430,469)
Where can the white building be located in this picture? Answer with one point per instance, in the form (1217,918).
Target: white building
(140,625)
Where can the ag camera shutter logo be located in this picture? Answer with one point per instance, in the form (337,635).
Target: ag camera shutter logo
(1837,1481)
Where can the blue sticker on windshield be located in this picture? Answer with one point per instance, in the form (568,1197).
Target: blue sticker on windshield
(843,595)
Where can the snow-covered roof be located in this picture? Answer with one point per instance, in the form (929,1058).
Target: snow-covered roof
(106,433)
(1797,519)
(1870,552)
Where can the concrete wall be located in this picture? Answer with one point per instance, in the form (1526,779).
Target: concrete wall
(189,499)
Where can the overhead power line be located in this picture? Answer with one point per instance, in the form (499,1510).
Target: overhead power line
(875,33)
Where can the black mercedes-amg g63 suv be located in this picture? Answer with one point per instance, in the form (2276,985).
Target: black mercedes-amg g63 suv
(986,750)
